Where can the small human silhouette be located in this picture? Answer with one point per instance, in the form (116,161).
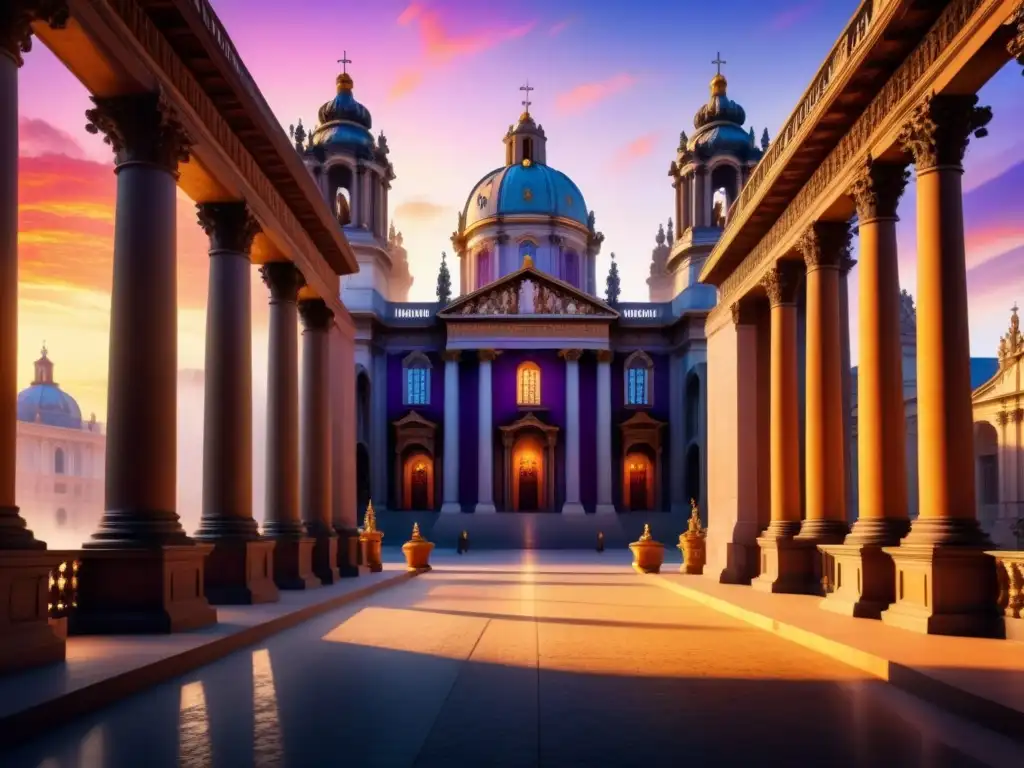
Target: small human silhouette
(463,545)
(600,541)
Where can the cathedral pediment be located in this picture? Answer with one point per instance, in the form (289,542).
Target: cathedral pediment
(525,294)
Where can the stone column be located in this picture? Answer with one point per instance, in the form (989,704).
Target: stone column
(485,449)
(239,569)
(686,219)
(140,542)
(677,437)
(947,582)
(824,247)
(365,200)
(315,451)
(699,215)
(784,562)
(678,186)
(293,551)
(26,640)
(380,459)
(451,432)
(572,503)
(605,500)
(342,404)
(866,583)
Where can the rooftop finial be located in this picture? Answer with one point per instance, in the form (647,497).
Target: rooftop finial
(44,340)
(344,80)
(719,61)
(718,82)
(344,61)
(526,102)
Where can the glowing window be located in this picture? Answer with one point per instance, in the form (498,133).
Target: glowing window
(417,379)
(528,389)
(638,370)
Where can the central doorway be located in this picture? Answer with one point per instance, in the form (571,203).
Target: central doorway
(420,487)
(638,486)
(529,485)
(528,465)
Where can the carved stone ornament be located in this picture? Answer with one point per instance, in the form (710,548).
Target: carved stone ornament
(16,17)
(1012,344)
(1016,44)
(780,284)
(571,355)
(140,129)
(487,355)
(825,244)
(283,279)
(451,355)
(525,297)
(605,355)
(877,189)
(230,226)
(315,314)
(742,313)
(940,128)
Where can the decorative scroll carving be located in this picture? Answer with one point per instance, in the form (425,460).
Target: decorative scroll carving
(451,355)
(1016,44)
(1018,415)
(742,313)
(315,314)
(230,226)
(877,189)
(953,19)
(502,300)
(940,127)
(571,355)
(487,355)
(825,244)
(140,128)
(605,355)
(283,279)
(1002,417)
(16,23)
(548,301)
(780,283)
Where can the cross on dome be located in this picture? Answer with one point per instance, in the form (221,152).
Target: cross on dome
(719,61)
(344,61)
(527,88)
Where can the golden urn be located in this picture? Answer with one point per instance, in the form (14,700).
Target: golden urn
(417,551)
(648,554)
(693,544)
(370,540)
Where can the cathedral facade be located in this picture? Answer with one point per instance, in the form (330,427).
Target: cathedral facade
(527,391)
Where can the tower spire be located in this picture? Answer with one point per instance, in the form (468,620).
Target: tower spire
(719,61)
(526,102)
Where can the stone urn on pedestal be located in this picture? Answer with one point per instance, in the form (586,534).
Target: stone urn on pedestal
(693,544)
(648,554)
(417,551)
(370,540)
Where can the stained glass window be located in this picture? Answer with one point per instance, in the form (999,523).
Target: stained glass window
(529,384)
(417,380)
(638,379)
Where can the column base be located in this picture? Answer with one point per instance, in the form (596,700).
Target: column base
(451,508)
(240,572)
(484,508)
(156,590)
(944,590)
(14,533)
(573,508)
(787,566)
(823,531)
(293,563)
(605,509)
(864,580)
(325,557)
(742,564)
(27,638)
(349,565)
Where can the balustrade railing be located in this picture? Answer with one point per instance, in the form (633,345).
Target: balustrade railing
(64,587)
(1010,571)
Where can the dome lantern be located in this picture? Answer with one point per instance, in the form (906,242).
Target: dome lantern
(343,121)
(525,143)
(44,402)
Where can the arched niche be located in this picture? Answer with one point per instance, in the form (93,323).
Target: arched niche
(341,186)
(414,444)
(529,465)
(641,437)
(986,453)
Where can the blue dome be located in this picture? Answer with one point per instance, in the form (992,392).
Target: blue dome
(343,120)
(522,189)
(724,137)
(48,404)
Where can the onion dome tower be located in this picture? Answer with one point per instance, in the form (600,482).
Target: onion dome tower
(709,171)
(353,172)
(526,208)
(44,402)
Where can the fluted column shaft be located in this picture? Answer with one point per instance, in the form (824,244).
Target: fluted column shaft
(605,502)
(227,414)
(485,448)
(937,137)
(141,459)
(315,457)
(824,246)
(572,503)
(678,185)
(780,284)
(451,432)
(282,462)
(881,421)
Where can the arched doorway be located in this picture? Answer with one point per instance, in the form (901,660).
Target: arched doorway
(528,465)
(638,481)
(418,480)
(641,462)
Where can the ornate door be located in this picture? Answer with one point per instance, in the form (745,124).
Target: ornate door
(420,494)
(638,487)
(529,490)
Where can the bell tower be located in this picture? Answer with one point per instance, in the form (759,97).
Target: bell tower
(525,143)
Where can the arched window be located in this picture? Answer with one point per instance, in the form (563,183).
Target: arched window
(483,268)
(528,149)
(572,268)
(638,371)
(416,369)
(527,248)
(528,384)
(58,461)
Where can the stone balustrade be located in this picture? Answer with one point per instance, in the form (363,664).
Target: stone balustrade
(1010,571)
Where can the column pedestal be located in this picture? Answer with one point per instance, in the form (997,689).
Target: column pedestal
(293,562)
(786,561)
(26,638)
(241,572)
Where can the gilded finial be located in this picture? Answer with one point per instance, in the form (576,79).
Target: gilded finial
(695,524)
(416,535)
(344,80)
(646,535)
(527,261)
(718,82)
(370,520)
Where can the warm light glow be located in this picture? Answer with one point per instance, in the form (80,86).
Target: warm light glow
(194,726)
(266,722)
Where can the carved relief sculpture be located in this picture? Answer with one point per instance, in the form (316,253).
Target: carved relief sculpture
(1012,344)
(16,30)
(940,128)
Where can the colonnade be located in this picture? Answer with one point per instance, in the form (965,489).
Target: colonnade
(931,575)
(144,573)
(485,454)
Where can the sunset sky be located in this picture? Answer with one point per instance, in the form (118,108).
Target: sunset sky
(615,83)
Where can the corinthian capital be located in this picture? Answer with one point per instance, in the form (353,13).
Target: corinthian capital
(780,283)
(16,17)
(940,128)
(1016,44)
(230,226)
(283,279)
(141,128)
(315,314)
(825,244)
(877,189)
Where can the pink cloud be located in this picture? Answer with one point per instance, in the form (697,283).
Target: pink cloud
(38,137)
(585,96)
(637,149)
(792,16)
(560,27)
(410,13)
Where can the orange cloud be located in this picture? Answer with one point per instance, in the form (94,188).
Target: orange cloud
(585,96)
(420,210)
(407,82)
(638,148)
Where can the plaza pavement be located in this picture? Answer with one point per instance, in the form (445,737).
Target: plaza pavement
(523,659)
